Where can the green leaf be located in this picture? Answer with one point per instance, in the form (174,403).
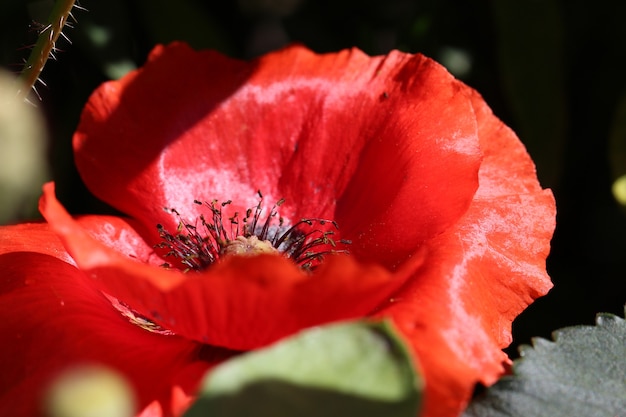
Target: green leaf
(581,373)
(339,370)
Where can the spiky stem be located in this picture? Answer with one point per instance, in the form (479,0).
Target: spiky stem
(45,45)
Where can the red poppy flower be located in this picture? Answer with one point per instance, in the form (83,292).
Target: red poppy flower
(448,225)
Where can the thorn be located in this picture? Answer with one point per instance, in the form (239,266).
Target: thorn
(42,82)
(47,43)
(36,92)
(79,7)
(66,38)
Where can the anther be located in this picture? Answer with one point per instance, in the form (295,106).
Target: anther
(199,245)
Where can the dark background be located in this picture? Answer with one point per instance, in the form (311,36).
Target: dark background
(552,70)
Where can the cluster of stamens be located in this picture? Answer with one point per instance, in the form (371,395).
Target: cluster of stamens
(199,245)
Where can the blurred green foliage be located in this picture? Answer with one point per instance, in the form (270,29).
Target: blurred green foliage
(350,369)
(551,69)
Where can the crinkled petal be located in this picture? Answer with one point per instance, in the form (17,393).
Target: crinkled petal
(479,275)
(360,140)
(240,303)
(52,317)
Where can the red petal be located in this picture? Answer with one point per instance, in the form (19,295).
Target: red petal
(121,235)
(479,275)
(52,317)
(180,403)
(32,237)
(37,237)
(344,136)
(240,303)
(153,409)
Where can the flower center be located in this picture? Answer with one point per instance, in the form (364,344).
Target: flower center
(199,245)
(248,246)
